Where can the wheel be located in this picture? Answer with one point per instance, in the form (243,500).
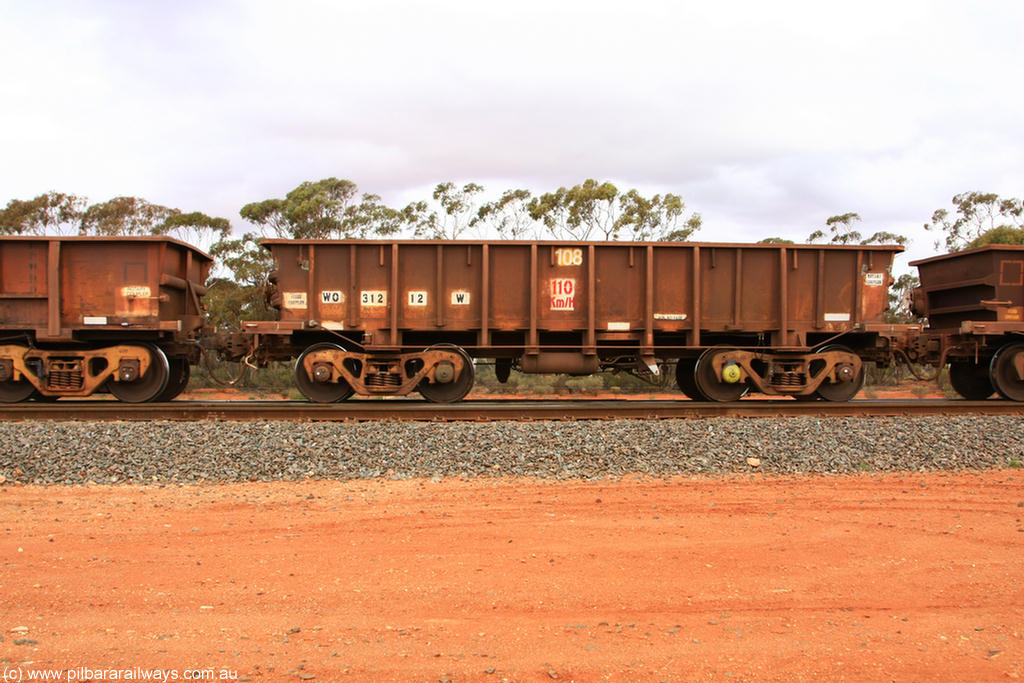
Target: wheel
(16,392)
(147,387)
(449,392)
(972,381)
(685,379)
(840,391)
(1004,375)
(708,383)
(180,371)
(317,391)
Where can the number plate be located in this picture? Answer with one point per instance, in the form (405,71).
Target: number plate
(373,297)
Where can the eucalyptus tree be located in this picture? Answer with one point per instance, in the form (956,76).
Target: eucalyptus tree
(509,216)
(660,218)
(979,218)
(51,213)
(585,211)
(839,230)
(450,216)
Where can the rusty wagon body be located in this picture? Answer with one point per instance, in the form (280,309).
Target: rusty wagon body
(392,317)
(79,315)
(974,302)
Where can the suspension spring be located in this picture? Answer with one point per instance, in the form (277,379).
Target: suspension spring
(788,379)
(384,380)
(65,376)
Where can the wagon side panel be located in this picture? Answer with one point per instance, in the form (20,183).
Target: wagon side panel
(563,286)
(717,280)
(740,289)
(510,290)
(837,290)
(107,284)
(457,303)
(291,281)
(183,274)
(620,289)
(759,301)
(874,277)
(24,284)
(674,309)
(802,274)
(131,285)
(329,299)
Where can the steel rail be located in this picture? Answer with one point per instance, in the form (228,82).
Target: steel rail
(488,410)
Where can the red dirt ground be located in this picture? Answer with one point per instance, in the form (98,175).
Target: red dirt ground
(901,577)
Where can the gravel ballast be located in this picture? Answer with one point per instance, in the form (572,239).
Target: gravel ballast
(156,452)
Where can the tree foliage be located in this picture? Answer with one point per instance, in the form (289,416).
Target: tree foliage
(229,302)
(57,213)
(596,209)
(976,214)
(900,299)
(51,213)
(1004,234)
(885,237)
(125,216)
(196,228)
(839,230)
(509,215)
(245,257)
(660,218)
(323,209)
(450,216)
(585,211)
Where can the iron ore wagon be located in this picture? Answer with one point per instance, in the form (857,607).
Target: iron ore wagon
(80,315)
(393,317)
(974,302)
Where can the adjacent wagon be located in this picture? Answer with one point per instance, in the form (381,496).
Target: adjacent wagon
(974,302)
(80,315)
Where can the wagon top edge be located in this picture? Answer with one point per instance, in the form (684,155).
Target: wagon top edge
(106,238)
(561,243)
(976,250)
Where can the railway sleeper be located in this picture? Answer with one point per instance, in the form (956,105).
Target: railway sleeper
(833,373)
(328,372)
(73,373)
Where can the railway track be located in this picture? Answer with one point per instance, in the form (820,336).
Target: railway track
(488,410)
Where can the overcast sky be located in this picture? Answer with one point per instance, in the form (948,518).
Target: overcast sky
(767,117)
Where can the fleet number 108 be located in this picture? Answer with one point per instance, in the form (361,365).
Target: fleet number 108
(569,256)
